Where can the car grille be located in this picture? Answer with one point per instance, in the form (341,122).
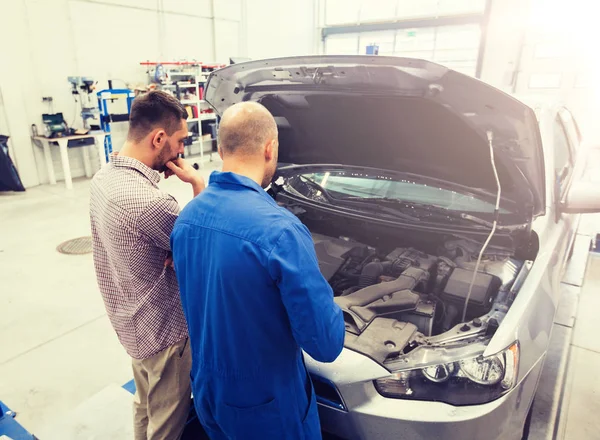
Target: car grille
(327,393)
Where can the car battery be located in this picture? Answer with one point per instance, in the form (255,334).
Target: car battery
(422,316)
(485,288)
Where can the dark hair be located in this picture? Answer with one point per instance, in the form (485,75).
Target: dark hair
(152,110)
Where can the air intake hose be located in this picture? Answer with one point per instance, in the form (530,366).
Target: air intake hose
(371,272)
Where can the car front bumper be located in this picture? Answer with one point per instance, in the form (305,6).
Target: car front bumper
(383,418)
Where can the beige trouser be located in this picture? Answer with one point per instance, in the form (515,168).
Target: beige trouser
(163,393)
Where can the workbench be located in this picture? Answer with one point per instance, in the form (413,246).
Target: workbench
(63,145)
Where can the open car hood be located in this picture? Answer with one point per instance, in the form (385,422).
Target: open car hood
(399,114)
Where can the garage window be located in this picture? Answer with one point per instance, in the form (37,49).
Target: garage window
(550,50)
(353,11)
(447,32)
(545,80)
(456,47)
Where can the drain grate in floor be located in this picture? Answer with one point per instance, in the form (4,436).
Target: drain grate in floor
(77,246)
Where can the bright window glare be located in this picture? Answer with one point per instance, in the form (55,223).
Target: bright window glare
(569,27)
(354,11)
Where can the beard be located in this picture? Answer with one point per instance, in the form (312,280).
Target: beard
(269,173)
(166,155)
(271,169)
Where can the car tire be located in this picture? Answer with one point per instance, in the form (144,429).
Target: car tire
(527,424)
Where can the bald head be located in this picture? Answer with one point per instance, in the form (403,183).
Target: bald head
(245,129)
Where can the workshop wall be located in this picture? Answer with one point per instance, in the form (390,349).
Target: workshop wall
(281,28)
(104,39)
(229,29)
(18,87)
(507,28)
(45,41)
(541,49)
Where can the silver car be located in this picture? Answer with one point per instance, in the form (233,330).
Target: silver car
(443,212)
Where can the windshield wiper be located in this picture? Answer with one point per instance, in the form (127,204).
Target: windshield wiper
(358,203)
(377,207)
(317,186)
(433,210)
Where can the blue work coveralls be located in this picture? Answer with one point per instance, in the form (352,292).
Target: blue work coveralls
(253,297)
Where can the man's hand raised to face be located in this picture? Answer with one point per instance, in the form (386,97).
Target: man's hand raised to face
(186,173)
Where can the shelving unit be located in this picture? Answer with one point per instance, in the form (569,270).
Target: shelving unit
(186,80)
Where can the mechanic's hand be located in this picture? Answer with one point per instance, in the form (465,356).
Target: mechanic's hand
(168,173)
(186,173)
(183,170)
(169,261)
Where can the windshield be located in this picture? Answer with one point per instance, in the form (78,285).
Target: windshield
(358,185)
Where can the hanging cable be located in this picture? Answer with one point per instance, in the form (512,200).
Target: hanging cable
(490,136)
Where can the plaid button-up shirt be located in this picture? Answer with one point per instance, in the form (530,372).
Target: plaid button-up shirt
(132,222)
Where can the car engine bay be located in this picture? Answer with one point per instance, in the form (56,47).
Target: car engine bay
(396,300)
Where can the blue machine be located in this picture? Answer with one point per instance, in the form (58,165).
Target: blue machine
(373,49)
(9,427)
(106,117)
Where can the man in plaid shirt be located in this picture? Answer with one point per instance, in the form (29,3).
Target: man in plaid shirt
(131,221)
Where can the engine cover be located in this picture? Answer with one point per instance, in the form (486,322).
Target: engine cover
(383,338)
(363,306)
(331,253)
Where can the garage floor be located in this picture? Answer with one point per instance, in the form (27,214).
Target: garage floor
(57,347)
(581,402)
(59,354)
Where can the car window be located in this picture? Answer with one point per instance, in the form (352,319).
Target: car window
(563,161)
(342,184)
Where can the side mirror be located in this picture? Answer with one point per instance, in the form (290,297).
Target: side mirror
(582,198)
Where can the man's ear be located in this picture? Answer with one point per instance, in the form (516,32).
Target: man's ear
(220,152)
(270,150)
(158,139)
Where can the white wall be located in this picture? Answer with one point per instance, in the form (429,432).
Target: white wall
(532,42)
(18,85)
(45,41)
(505,36)
(280,28)
(229,29)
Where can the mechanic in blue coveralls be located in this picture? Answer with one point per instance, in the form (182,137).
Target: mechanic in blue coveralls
(252,293)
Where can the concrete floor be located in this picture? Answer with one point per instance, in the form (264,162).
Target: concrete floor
(57,347)
(581,402)
(59,354)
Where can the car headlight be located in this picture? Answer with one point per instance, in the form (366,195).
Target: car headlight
(464,382)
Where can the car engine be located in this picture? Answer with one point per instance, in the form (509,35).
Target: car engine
(393,300)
